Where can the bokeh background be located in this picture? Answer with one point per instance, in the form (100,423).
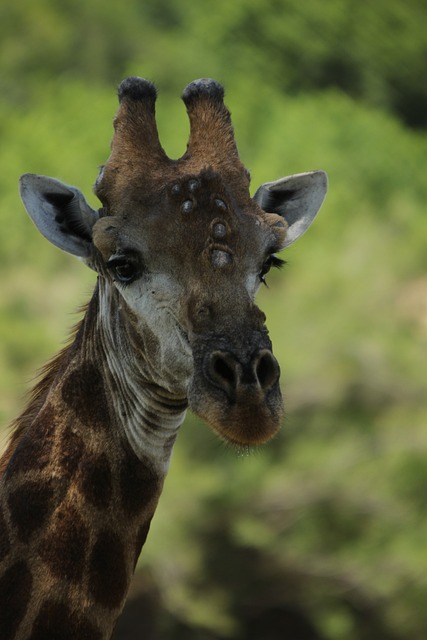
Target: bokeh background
(321,534)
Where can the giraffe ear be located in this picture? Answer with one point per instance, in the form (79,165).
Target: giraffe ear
(60,213)
(296,198)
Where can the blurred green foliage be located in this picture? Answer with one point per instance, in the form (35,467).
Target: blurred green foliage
(321,534)
(376,52)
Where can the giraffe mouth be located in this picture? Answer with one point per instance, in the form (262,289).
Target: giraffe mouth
(251,420)
(238,396)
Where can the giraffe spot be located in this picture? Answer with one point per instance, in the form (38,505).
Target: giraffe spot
(83,391)
(71,452)
(29,506)
(108,581)
(56,621)
(63,549)
(4,538)
(15,592)
(35,448)
(138,485)
(95,481)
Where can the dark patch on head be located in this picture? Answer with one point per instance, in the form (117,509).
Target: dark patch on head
(4,538)
(138,484)
(56,621)
(15,591)
(71,452)
(63,548)
(35,448)
(30,505)
(199,194)
(108,580)
(83,391)
(141,538)
(95,480)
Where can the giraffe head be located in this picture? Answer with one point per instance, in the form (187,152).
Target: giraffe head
(184,248)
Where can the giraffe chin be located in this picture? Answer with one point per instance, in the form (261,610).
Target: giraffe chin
(249,421)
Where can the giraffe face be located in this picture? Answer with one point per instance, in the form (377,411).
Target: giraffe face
(185,248)
(188,264)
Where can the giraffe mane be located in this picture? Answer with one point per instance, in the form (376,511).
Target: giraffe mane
(45,378)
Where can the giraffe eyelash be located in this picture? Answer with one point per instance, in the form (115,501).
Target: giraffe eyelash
(272,261)
(276,262)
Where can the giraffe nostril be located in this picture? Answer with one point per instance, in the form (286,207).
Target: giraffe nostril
(266,369)
(223,371)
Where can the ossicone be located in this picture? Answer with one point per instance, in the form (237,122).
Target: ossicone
(134,88)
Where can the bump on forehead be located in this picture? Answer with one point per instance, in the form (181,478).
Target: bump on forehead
(189,214)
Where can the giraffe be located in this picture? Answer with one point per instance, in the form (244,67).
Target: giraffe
(180,249)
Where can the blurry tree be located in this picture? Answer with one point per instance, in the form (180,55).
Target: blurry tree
(375,51)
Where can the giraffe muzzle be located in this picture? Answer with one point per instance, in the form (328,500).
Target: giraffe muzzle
(237,392)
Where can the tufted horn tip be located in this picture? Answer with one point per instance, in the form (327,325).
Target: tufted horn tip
(204,87)
(136,89)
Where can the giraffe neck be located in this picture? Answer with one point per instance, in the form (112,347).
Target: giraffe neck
(81,483)
(149,405)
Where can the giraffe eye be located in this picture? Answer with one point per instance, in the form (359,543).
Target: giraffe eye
(124,270)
